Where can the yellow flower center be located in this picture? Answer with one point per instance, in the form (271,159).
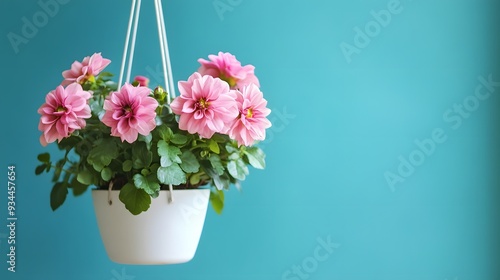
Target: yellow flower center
(203,104)
(230,80)
(60,109)
(91,78)
(249,113)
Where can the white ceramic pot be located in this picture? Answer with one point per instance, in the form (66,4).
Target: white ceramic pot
(167,233)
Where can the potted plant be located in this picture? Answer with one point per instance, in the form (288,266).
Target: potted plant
(154,162)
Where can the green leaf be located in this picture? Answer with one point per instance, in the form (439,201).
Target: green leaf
(96,106)
(58,170)
(217,200)
(220,182)
(39,169)
(148,183)
(172,174)
(214,146)
(58,195)
(256,157)
(77,187)
(45,157)
(105,74)
(216,164)
(234,156)
(85,177)
(169,154)
(69,143)
(238,169)
(219,138)
(135,200)
(195,178)
(141,156)
(165,132)
(127,165)
(101,155)
(106,174)
(189,162)
(179,139)
(231,149)
(146,139)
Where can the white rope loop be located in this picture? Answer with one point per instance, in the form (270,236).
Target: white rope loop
(127,39)
(165,56)
(170,77)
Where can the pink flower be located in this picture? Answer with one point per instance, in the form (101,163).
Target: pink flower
(64,111)
(85,70)
(252,122)
(129,112)
(142,81)
(205,105)
(226,67)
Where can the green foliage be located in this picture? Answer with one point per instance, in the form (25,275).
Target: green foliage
(140,170)
(217,200)
(168,154)
(102,154)
(256,157)
(189,163)
(171,175)
(135,200)
(58,195)
(148,183)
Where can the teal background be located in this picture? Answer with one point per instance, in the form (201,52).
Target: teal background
(337,128)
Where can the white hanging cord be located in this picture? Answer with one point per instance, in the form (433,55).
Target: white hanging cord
(167,68)
(125,48)
(110,201)
(134,35)
(162,49)
(167,55)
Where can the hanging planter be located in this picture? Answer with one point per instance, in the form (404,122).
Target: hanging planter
(148,152)
(168,233)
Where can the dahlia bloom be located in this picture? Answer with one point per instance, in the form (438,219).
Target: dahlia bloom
(226,67)
(64,111)
(205,105)
(130,112)
(142,81)
(80,72)
(252,122)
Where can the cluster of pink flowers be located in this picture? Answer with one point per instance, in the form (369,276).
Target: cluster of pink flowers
(129,111)
(221,97)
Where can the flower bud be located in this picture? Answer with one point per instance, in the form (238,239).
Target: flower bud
(141,81)
(160,94)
